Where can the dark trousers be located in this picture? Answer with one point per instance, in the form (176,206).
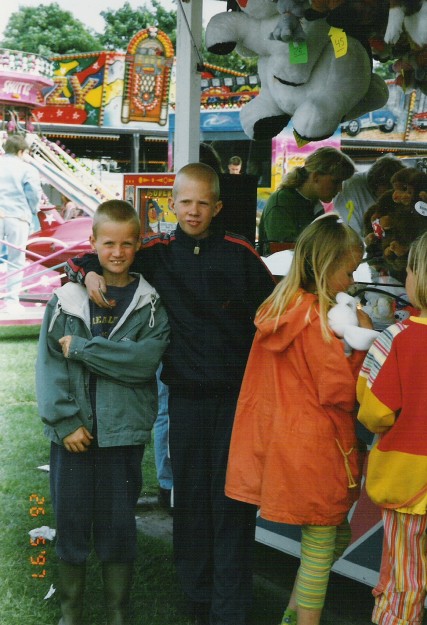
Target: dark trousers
(213,535)
(95,492)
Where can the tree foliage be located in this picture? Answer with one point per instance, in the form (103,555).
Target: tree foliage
(246,65)
(123,24)
(48,30)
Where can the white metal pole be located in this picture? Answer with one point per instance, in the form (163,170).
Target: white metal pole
(187,118)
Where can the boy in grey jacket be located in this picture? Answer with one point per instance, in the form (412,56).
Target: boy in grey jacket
(97,396)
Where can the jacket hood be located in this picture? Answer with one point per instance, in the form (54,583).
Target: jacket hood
(73,297)
(291,323)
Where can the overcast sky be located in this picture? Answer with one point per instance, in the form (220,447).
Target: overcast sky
(88,11)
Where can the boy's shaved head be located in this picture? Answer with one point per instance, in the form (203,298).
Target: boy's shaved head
(198,171)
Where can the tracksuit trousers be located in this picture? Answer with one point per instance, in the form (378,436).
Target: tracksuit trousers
(94,494)
(213,535)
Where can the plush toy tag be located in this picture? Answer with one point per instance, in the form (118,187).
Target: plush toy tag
(298,52)
(421,208)
(339,41)
(350,209)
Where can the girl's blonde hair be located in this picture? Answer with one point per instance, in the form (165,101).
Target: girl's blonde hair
(324,161)
(417,263)
(319,249)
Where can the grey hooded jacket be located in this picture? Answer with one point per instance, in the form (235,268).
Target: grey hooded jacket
(125,364)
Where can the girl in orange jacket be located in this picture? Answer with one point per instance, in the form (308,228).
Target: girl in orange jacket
(294,451)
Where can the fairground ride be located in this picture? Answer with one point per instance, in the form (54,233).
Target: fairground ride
(25,80)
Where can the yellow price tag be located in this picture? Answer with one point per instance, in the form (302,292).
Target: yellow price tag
(339,41)
(350,209)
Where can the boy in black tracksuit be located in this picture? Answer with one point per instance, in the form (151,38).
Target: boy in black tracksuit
(211,283)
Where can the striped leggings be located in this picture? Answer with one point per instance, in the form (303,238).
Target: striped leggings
(401,590)
(320,547)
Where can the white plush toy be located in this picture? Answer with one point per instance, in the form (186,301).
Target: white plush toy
(288,27)
(317,94)
(403,16)
(379,308)
(344,323)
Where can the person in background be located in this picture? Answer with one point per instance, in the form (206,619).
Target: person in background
(362,190)
(235,165)
(298,198)
(20,195)
(97,397)
(69,210)
(393,404)
(298,459)
(211,282)
(161,446)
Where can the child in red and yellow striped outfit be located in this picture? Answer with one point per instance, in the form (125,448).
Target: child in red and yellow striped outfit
(392,392)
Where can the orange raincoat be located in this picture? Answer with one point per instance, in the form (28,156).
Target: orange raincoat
(294,451)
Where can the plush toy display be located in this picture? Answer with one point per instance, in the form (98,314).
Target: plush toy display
(411,69)
(317,93)
(376,222)
(396,220)
(344,323)
(379,307)
(386,304)
(408,15)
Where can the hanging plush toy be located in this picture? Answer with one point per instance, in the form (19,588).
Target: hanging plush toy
(288,27)
(397,219)
(376,221)
(408,15)
(411,68)
(313,85)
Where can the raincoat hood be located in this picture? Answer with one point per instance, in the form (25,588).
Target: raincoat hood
(276,335)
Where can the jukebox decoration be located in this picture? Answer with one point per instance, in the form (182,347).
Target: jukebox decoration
(149,62)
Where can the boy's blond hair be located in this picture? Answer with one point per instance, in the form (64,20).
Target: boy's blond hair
(198,171)
(118,211)
(318,249)
(417,263)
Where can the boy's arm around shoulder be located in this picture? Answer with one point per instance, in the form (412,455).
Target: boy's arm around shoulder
(129,361)
(56,405)
(78,267)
